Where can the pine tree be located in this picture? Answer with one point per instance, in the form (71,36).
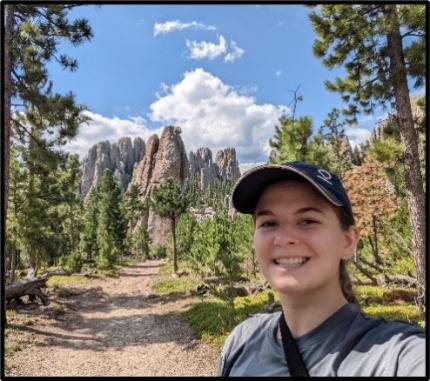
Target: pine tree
(88,236)
(167,200)
(333,132)
(377,69)
(293,141)
(70,211)
(111,226)
(18,185)
(132,206)
(32,34)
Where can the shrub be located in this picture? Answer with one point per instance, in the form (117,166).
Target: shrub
(159,252)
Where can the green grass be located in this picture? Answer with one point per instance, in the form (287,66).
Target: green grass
(209,319)
(407,312)
(165,283)
(61,281)
(128,261)
(180,284)
(369,291)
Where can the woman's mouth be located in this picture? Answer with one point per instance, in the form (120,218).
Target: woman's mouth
(291,263)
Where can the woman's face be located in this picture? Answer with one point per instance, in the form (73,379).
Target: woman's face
(298,239)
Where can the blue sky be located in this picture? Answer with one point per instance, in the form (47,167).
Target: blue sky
(223,73)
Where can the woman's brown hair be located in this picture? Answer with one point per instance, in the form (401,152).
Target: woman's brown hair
(346,221)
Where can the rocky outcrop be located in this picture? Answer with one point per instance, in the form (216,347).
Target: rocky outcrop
(164,157)
(119,157)
(206,170)
(202,166)
(227,164)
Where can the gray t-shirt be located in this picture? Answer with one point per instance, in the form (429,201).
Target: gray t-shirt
(348,343)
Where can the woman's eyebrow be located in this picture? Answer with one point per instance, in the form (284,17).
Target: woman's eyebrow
(307,209)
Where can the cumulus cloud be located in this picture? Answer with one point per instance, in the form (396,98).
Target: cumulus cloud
(357,135)
(213,114)
(204,49)
(101,128)
(171,26)
(234,53)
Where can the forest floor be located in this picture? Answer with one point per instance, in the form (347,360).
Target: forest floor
(108,327)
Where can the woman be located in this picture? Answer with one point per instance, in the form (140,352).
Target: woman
(304,233)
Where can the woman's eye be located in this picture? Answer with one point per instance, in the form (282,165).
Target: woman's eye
(307,222)
(267,224)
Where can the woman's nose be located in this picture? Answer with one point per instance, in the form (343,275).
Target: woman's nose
(285,237)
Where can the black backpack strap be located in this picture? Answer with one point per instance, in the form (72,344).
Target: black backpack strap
(294,360)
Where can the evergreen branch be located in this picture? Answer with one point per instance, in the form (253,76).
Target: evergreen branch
(20,125)
(358,14)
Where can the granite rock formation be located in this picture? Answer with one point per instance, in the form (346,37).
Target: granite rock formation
(164,157)
(225,166)
(119,157)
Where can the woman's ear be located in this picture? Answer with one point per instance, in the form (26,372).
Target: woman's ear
(352,235)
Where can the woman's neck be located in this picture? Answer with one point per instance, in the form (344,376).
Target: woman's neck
(303,314)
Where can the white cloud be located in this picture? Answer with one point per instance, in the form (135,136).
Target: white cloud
(204,49)
(357,135)
(278,73)
(213,114)
(171,26)
(243,167)
(101,128)
(235,52)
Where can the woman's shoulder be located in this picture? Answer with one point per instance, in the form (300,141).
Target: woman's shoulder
(382,329)
(252,327)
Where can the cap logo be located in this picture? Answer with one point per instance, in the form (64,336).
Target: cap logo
(324,175)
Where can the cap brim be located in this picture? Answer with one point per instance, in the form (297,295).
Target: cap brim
(249,187)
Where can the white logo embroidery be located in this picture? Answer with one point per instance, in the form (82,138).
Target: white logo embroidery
(324,175)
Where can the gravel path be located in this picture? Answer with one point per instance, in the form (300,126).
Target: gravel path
(117,327)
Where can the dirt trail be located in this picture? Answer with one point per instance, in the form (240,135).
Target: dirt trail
(117,327)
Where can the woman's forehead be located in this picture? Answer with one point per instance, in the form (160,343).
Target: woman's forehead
(289,191)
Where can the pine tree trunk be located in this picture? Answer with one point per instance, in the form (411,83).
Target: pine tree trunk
(175,257)
(8,32)
(413,178)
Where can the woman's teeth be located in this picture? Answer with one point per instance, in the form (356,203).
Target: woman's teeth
(291,263)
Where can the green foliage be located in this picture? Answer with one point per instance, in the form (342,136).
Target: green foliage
(168,200)
(111,227)
(333,133)
(406,312)
(219,248)
(185,233)
(47,219)
(73,262)
(140,242)
(364,55)
(159,252)
(58,281)
(132,206)
(88,237)
(210,319)
(292,141)
(37,32)
(167,285)
(363,292)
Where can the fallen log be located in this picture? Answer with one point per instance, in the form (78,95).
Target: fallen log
(31,288)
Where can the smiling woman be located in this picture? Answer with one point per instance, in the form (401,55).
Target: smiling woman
(304,235)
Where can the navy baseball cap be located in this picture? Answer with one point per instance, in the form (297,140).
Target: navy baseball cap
(251,184)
